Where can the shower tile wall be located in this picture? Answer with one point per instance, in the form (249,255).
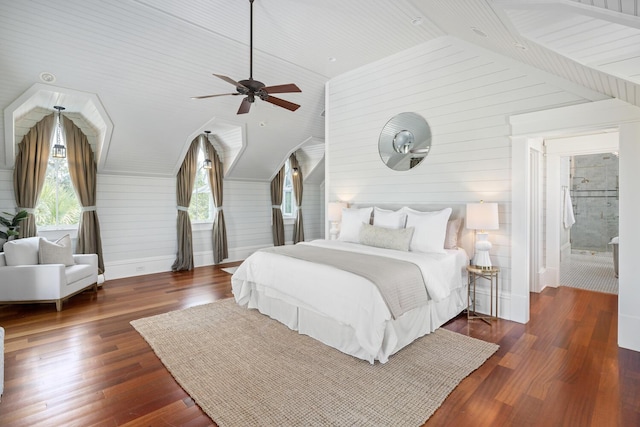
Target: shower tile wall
(594,193)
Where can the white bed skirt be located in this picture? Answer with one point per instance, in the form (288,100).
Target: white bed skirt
(398,332)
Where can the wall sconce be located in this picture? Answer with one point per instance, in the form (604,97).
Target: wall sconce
(59,150)
(335,216)
(482,216)
(207,164)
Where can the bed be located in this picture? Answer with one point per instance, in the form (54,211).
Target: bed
(345,310)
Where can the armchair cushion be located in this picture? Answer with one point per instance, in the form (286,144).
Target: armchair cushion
(58,252)
(77,272)
(22,251)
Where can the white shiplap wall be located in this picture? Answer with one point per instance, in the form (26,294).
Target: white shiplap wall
(247,208)
(7,199)
(466,95)
(138,221)
(313,211)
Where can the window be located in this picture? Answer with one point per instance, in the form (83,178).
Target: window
(288,199)
(201,206)
(58,205)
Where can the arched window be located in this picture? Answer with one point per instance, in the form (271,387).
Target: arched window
(201,206)
(288,198)
(58,205)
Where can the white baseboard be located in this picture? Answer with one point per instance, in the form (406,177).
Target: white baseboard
(628,327)
(151,265)
(549,277)
(137,267)
(519,308)
(483,303)
(240,254)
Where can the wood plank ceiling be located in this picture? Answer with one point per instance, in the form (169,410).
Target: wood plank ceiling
(144,59)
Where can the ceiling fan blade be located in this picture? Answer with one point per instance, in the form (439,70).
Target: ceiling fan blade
(230,80)
(213,96)
(245,106)
(282,88)
(282,103)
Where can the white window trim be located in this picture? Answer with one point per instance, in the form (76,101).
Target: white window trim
(64,227)
(202,225)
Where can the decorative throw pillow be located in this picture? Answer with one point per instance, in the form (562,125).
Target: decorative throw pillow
(58,252)
(388,238)
(389,219)
(451,238)
(352,219)
(22,251)
(430,229)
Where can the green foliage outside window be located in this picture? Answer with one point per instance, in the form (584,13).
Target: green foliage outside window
(200,208)
(58,204)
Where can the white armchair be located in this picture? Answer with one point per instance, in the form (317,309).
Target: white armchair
(47,282)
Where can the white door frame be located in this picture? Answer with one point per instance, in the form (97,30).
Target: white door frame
(555,149)
(587,117)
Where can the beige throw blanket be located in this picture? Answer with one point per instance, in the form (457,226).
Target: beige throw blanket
(400,282)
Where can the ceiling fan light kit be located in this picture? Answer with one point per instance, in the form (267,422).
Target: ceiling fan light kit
(251,88)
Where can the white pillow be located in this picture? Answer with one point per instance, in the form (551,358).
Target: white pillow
(388,238)
(453,228)
(352,220)
(22,251)
(389,219)
(58,252)
(430,229)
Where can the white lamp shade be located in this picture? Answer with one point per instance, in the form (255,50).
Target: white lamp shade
(482,216)
(335,211)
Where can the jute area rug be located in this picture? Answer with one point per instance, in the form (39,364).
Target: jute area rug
(245,369)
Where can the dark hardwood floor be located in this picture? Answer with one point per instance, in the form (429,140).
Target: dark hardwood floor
(87,366)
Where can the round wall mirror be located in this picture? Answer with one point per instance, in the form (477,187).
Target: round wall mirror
(404,141)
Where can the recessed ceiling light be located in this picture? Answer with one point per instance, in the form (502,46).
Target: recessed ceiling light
(417,20)
(520,46)
(479,32)
(332,59)
(47,77)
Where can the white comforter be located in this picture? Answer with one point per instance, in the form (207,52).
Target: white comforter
(345,297)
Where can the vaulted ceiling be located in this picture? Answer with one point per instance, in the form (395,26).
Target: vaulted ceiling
(126,69)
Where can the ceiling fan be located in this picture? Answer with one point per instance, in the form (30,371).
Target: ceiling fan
(253,88)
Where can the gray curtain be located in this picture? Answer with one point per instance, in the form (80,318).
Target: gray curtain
(276,211)
(220,249)
(184,187)
(30,170)
(82,170)
(298,227)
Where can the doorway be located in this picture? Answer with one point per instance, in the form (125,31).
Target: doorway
(581,212)
(590,198)
(606,114)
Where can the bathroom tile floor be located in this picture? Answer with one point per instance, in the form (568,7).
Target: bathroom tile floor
(592,271)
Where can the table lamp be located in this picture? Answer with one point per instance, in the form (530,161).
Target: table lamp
(481,217)
(335,216)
